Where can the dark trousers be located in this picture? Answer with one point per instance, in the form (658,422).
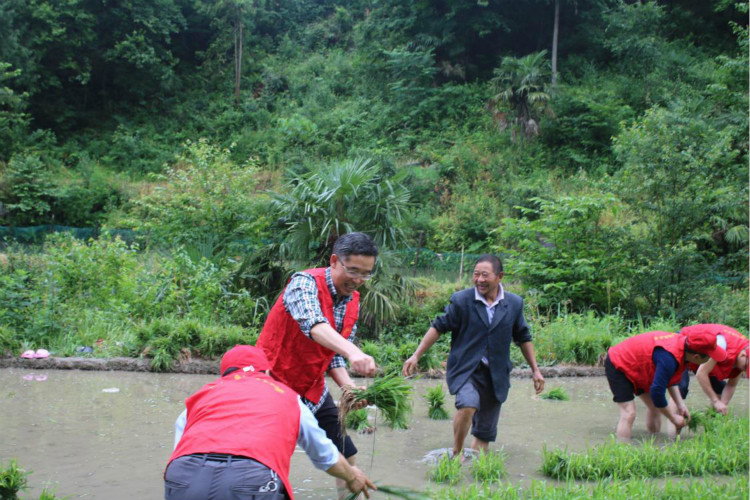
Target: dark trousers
(716,384)
(221,477)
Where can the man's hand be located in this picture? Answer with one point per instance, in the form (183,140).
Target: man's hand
(720,407)
(359,483)
(678,421)
(363,364)
(359,404)
(538,381)
(410,365)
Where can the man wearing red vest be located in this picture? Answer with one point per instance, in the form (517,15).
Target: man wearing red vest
(310,331)
(650,364)
(238,434)
(719,380)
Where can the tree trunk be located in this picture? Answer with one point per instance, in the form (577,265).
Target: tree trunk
(238,43)
(555,32)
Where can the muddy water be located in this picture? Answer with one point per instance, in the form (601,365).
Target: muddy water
(108,435)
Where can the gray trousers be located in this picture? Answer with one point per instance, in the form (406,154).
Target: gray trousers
(221,477)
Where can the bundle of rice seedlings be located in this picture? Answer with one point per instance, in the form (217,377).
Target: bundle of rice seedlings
(357,420)
(557,394)
(702,418)
(390,394)
(397,492)
(436,401)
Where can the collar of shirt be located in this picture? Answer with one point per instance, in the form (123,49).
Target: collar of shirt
(500,296)
(332,288)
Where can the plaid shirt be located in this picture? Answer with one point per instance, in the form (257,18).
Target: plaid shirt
(301,301)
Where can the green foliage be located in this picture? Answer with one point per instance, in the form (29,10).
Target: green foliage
(556,394)
(26,189)
(676,176)
(696,456)
(569,249)
(436,403)
(14,121)
(206,199)
(489,466)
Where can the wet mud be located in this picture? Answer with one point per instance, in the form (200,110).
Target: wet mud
(108,434)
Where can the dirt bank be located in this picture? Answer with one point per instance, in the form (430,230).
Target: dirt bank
(210,367)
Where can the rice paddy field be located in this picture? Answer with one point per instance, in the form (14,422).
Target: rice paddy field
(108,435)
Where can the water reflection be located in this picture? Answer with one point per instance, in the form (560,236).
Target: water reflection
(108,435)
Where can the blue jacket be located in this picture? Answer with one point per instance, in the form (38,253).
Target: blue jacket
(466,319)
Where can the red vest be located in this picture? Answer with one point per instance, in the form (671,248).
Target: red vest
(297,360)
(633,357)
(239,415)
(736,343)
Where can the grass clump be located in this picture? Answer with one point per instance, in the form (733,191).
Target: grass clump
(489,466)
(446,470)
(722,450)
(390,394)
(556,394)
(436,403)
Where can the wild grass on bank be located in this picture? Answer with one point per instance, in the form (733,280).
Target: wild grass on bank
(722,449)
(735,489)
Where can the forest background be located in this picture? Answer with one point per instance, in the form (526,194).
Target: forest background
(599,146)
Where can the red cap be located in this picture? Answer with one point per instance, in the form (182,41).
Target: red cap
(705,343)
(242,356)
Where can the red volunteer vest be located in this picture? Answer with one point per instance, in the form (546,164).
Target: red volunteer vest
(633,357)
(736,343)
(239,415)
(296,360)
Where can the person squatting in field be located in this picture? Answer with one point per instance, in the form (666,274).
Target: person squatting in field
(650,364)
(719,379)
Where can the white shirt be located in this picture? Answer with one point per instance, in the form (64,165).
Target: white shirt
(490,308)
(321,450)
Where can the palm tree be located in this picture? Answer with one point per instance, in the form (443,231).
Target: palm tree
(331,200)
(521,84)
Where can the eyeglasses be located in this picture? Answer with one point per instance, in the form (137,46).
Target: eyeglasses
(484,274)
(356,274)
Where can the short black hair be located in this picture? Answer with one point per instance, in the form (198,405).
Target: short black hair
(497,264)
(355,244)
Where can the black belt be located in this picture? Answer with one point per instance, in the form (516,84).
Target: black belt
(219,457)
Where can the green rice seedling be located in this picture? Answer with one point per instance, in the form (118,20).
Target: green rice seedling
(12,480)
(48,495)
(489,466)
(390,394)
(357,420)
(446,470)
(706,488)
(436,401)
(703,418)
(723,450)
(557,394)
